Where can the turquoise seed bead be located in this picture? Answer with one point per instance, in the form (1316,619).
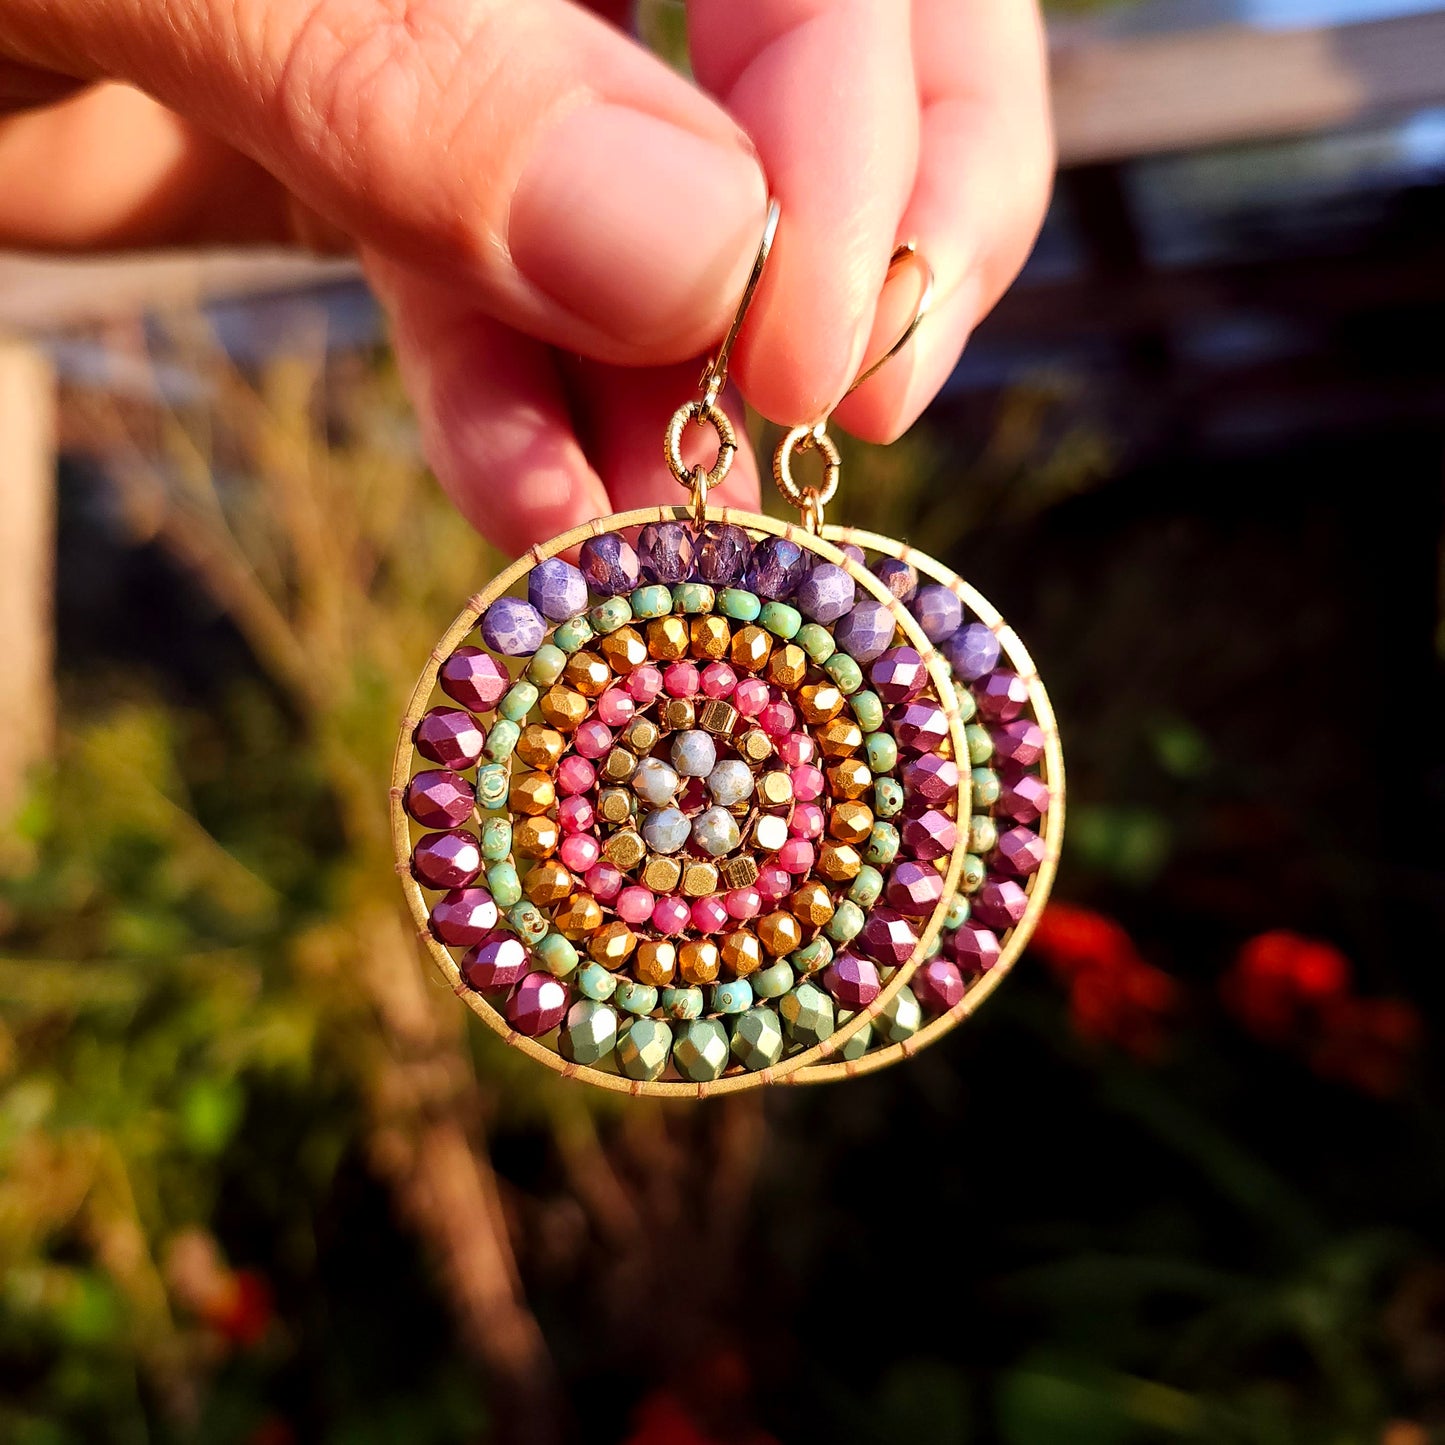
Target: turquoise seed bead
(528,922)
(732,997)
(503,884)
(980,745)
(652,601)
(496,839)
(758,1039)
(812,956)
(982,834)
(682,1003)
(882,752)
(807,1014)
(636,998)
(502,739)
(546,665)
(494,780)
(867,887)
(846,922)
(518,701)
(643,1049)
(774,981)
(887,797)
(741,606)
(967,706)
(816,641)
(608,616)
(970,880)
(693,599)
(845,672)
(935,947)
(700,1049)
(958,911)
(986,787)
(573,635)
(595,981)
(781,620)
(589,1032)
(558,955)
(899,1018)
(857,1046)
(882,846)
(868,709)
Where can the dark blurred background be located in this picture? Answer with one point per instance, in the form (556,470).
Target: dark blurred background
(262,1182)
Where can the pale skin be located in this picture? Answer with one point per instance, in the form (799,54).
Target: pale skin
(558,225)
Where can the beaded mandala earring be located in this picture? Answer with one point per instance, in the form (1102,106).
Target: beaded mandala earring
(729,801)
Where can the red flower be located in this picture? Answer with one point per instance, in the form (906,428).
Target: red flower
(1368,1043)
(1280,980)
(1070,939)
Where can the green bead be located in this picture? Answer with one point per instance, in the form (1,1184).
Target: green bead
(652,601)
(758,1039)
(887,797)
(980,745)
(781,620)
(812,956)
(816,641)
(773,981)
(732,997)
(982,834)
(882,752)
(846,922)
(573,635)
(867,887)
(559,955)
(958,911)
(967,707)
(973,874)
(986,787)
(502,739)
(882,846)
(807,1014)
(608,616)
(503,884)
(596,982)
(700,1050)
(494,781)
(588,1033)
(868,709)
(739,605)
(496,839)
(934,947)
(636,998)
(845,672)
(528,922)
(899,1018)
(517,702)
(693,598)
(546,665)
(682,1003)
(857,1046)
(643,1048)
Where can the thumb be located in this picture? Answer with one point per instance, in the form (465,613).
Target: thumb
(522,150)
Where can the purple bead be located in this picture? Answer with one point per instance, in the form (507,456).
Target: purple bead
(776,568)
(1000,903)
(975,949)
(1024,796)
(900,578)
(854,552)
(914,888)
(557,589)
(853,981)
(446,860)
(920,726)
(513,627)
(866,633)
(937,985)
(1020,851)
(609,564)
(826,593)
(929,835)
(1020,741)
(464,916)
(665,550)
(495,963)
(887,938)
(931,778)
(899,675)
(449,736)
(440,799)
(972,651)
(538,1005)
(1002,697)
(722,554)
(474,678)
(939,612)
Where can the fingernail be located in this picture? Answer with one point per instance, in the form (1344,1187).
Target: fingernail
(638,228)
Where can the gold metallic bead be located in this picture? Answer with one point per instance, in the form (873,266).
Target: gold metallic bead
(699,879)
(548,883)
(812,904)
(788,666)
(536,838)
(775,789)
(624,850)
(819,702)
(563,707)
(770,832)
(838,738)
(741,952)
(540,747)
(750,648)
(755,745)
(578,917)
(740,872)
(698,961)
(838,862)
(718,717)
(850,822)
(640,735)
(850,778)
(623,649)
(779,932)
(618,765)
(531,793)
(612,946)
(588,673)
(656,962)
(710,636)
(660,873)
(614,805)
(678,713)
(667,638)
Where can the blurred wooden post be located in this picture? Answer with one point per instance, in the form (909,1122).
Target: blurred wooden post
(27,570)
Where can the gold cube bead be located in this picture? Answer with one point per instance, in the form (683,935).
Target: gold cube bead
(710,636)
(839,738)
(850,822)
(660,873)
(718,717)
(779,933)
(820,702)
(770,832)
(618,765)
(741,952)
(812,904)
(532,793)
(548,883)
(612,945)
(540,747)
(755,745)
(624,850)
(698,961)
(775,789)
(740,872)
(656,962)
(838,862)
(699,879)
(624,649)
(563,707)
(536,838)
(850,778)
(667,638)
(751,647)
(788,666)
(614,805)
(579,917)
(588,673)
(678,713)
(640,735)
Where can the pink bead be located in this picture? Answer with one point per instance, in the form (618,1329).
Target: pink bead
(681,679)
(807,782)
(579,851)
(671,915)
(807,821)
(644,683)
(796,855)
(743,903)
(615,707)
(750,696)
(635,904)
(797,749)
(604,881)
(574,815)
(718,679)
(709,915)
(777,719)
(592,738)
(774,882)
(574,775)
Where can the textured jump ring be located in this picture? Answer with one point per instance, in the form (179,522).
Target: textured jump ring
(803,439)
(702,412)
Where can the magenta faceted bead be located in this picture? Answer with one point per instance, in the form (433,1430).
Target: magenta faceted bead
(930,835)
(1020,741)
(440,799)
(931,778)
(464,916)
(1000,903)
(538,1005)
(899,675)
(495,963)
(937,985)
(474,678)
(888,937)
(919,726)
(914,888)
(446,860)
(450,736)
(975,949)
(1002,697)
(1024,796)
(852,980)
(1020,851)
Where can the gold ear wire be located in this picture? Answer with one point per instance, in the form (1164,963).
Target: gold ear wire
(906,251)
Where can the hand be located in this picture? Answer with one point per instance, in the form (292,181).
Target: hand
(558,224)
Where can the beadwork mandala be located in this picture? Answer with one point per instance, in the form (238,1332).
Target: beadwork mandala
(688,814)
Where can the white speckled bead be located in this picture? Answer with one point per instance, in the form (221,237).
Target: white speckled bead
(654,782)
(694,753)
(716,832)
(730,782)
(666,830)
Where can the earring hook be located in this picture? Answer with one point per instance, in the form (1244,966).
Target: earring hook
(715,373)
(905,251)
